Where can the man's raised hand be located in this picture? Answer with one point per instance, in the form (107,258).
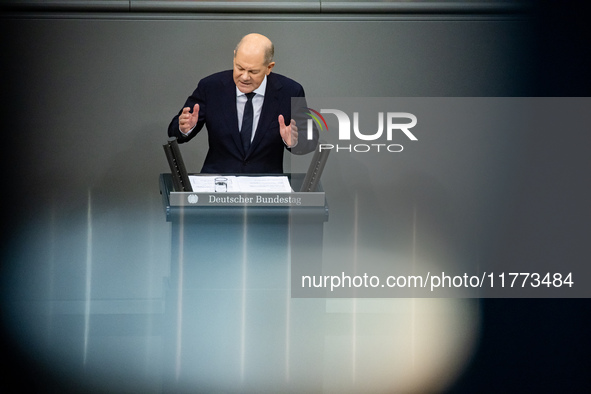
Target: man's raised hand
(289,133)
(188,120)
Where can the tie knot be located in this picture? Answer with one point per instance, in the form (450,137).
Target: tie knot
(250,95)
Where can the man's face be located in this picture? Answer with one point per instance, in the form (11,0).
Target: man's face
(250,70)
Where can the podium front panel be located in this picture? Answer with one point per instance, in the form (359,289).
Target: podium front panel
(229,309)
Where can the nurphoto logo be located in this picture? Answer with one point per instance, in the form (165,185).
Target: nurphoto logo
(396,123)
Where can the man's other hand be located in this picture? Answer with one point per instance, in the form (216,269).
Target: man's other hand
(188,120)
(289,133)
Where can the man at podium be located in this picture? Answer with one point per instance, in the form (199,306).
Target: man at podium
(247,112)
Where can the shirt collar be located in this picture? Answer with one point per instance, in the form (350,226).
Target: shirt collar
(260,90)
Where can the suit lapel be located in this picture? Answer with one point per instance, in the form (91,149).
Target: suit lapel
(230,113)
(270,108)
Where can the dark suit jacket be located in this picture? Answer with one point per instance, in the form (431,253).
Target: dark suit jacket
(216,96)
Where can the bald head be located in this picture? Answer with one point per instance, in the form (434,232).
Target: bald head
(253,60)
(256,43)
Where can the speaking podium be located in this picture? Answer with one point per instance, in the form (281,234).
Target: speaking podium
(231,322)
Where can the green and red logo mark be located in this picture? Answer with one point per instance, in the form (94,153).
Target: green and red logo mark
(317,117)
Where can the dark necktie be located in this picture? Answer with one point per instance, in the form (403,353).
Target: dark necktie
(246,130)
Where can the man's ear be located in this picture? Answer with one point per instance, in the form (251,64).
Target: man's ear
(270,67)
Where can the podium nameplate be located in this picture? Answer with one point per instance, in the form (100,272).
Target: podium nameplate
(307,199)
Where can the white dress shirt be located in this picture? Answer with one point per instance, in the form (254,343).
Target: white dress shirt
(257,105)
